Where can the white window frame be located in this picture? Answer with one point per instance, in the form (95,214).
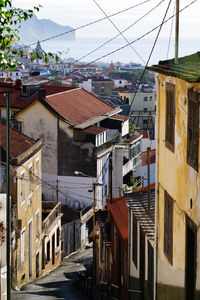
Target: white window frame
(37,172)
(30,182)
(37,225)
(23,244)
(22,188)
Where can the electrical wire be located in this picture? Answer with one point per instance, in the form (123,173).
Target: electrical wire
(120,33)
(86,25)
(170,34)
(123,47)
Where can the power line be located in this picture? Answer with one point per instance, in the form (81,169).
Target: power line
(116,36)
(151,52)
(170,34)
(123,47)
(86,25)
(120,33)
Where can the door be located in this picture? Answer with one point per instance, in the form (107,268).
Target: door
(30,247)
(37,264)
(142,261)
(53,249)
(190,259)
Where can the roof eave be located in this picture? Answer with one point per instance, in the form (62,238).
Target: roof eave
(92,121)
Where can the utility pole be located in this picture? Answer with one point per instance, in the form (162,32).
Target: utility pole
(8,192)
(149,186)
(57,190)
(177,32)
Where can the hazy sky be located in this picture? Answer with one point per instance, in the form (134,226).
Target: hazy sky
(78,12)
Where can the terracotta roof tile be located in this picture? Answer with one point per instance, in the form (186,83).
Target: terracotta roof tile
(120,117)
(78,105)
(94,130)
(19,143)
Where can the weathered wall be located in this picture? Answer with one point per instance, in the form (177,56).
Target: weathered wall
(182,183)
(48,238)
(71,234)
(26,212)
(38,122)
(74,155)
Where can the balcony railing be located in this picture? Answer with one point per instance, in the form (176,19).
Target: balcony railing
(52,216)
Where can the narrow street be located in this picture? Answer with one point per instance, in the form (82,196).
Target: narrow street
(59,284)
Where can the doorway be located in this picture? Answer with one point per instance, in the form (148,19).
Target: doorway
(190,259)
(142,261)
(37,264)
(53,249)
(30,247)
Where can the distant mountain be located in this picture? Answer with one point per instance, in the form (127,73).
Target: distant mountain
(36,29)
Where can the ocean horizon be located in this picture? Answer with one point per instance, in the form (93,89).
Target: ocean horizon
(82,46)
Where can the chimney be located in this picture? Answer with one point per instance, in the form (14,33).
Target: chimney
(42,93)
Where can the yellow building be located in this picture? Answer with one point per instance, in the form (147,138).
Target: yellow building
(178,180)
(26,193)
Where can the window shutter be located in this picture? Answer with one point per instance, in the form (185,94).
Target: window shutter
(193,129)
(168,227)
(170,116)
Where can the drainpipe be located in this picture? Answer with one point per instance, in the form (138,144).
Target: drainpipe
(156,192)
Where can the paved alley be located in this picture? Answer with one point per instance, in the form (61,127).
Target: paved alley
(59,284)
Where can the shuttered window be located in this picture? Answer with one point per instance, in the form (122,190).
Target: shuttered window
(168,227)
(193,129)
(135,241)
(170,116)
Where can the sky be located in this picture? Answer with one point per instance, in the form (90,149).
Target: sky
(76,13)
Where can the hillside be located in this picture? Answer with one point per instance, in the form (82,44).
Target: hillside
(35,29)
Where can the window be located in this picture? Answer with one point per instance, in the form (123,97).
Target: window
(22,188)
(48,251)
(145,98)
(58,237)
(151,98)
(168,227)
(106,190)
(145,122)
(150,269)
(114,242)
(170,116)
(23,247)
(125,269)
(134,241)
(37,172)
(193,129)
(37,225)
(145,109)
(30,180)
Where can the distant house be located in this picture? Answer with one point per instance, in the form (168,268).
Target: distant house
(102,85)
(178,210)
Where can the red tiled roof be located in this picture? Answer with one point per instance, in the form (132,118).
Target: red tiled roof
(78,105)
(94,130)
(119,117)
(17,102)
(152,157)
(119,212)
(19,143)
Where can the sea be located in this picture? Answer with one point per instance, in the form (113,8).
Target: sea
(117,50)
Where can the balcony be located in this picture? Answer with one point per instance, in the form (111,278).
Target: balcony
(112,137)
(51,211)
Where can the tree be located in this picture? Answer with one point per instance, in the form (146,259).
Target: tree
(10,22)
